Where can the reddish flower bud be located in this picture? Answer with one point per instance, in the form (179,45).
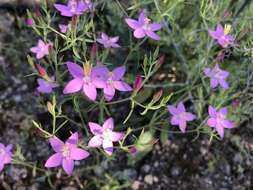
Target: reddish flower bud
(29,22)
(137,83)
(236,103)
(132,151)
(161,60)
(220,56)
(42,72)
(158,95)
(93,51)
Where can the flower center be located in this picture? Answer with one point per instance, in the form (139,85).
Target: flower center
(183,115)
(217,73)
(73,5)
(106,134)
(227,29)
(147,20)
(66,152)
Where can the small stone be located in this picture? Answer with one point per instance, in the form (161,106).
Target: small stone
(136,185)
(146,168)
(175,171)
(149,179)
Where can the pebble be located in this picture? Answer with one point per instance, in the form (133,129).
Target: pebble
(149,179)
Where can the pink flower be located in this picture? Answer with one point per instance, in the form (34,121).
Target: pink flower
(86,78)
(5,155)
(104,136)
(180,116)
(113,83)
(73,8)
(42,49)
(66,153)
(217,119)
(108,42)
(46,85)
(217,76)
(222,35)
(142,27)
(29,22)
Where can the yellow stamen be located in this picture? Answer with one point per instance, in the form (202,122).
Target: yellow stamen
(73,3)
(227,28)
(147,20)
(87,68)
(65,151)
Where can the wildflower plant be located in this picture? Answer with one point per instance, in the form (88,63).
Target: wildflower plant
(161,69)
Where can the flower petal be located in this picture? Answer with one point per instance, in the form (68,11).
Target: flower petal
(116,136)
(73,139)
(152,35)
(75,70)
(189,116)
(155,27)
(78,154)
(211,122)
(181,107)
(73,86)
(68,166)
(134,24)
(214,83)
(212,111)
(174,120)
(108,147)
(108,124)
(119,72)
(90,91)
(139,33)
(223,84)
(95,141)
(122,86)
(54,160)
(56,144)
(220,131)
(182,125)
(95,128)
(109,92)
(173,110)
(223,111)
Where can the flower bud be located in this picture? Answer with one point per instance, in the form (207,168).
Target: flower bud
(132,151)
(29,22)
(158,95)
(42,72)
(137,83)
(161,60)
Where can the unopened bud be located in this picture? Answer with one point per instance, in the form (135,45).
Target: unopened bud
(161,60)
(158,95)
(132,151)
(137,83)
(29,22)
(42,72)
(93,51)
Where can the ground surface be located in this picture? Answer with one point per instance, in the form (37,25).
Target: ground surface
(180,163)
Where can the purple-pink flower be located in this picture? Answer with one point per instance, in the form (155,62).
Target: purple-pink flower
(217,76)
(46,85)
(114,82)
(217,119)
(5,155)
(104,136)
(222,35)
(86,79)
(73,8)
(142,27)
(66,153)
(180,117)
(108,42)
(42,49)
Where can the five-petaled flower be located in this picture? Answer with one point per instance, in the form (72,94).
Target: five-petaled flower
(113,82)
(86,78)
(222,35)
(5,155)
(104,135)
(73,8)
(143,27)
(46,85)
(108,42)
(180,116)
(42,49)
(66,153)
(217,119)
(217,76)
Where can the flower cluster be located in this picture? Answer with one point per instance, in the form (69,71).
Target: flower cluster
(89,79)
